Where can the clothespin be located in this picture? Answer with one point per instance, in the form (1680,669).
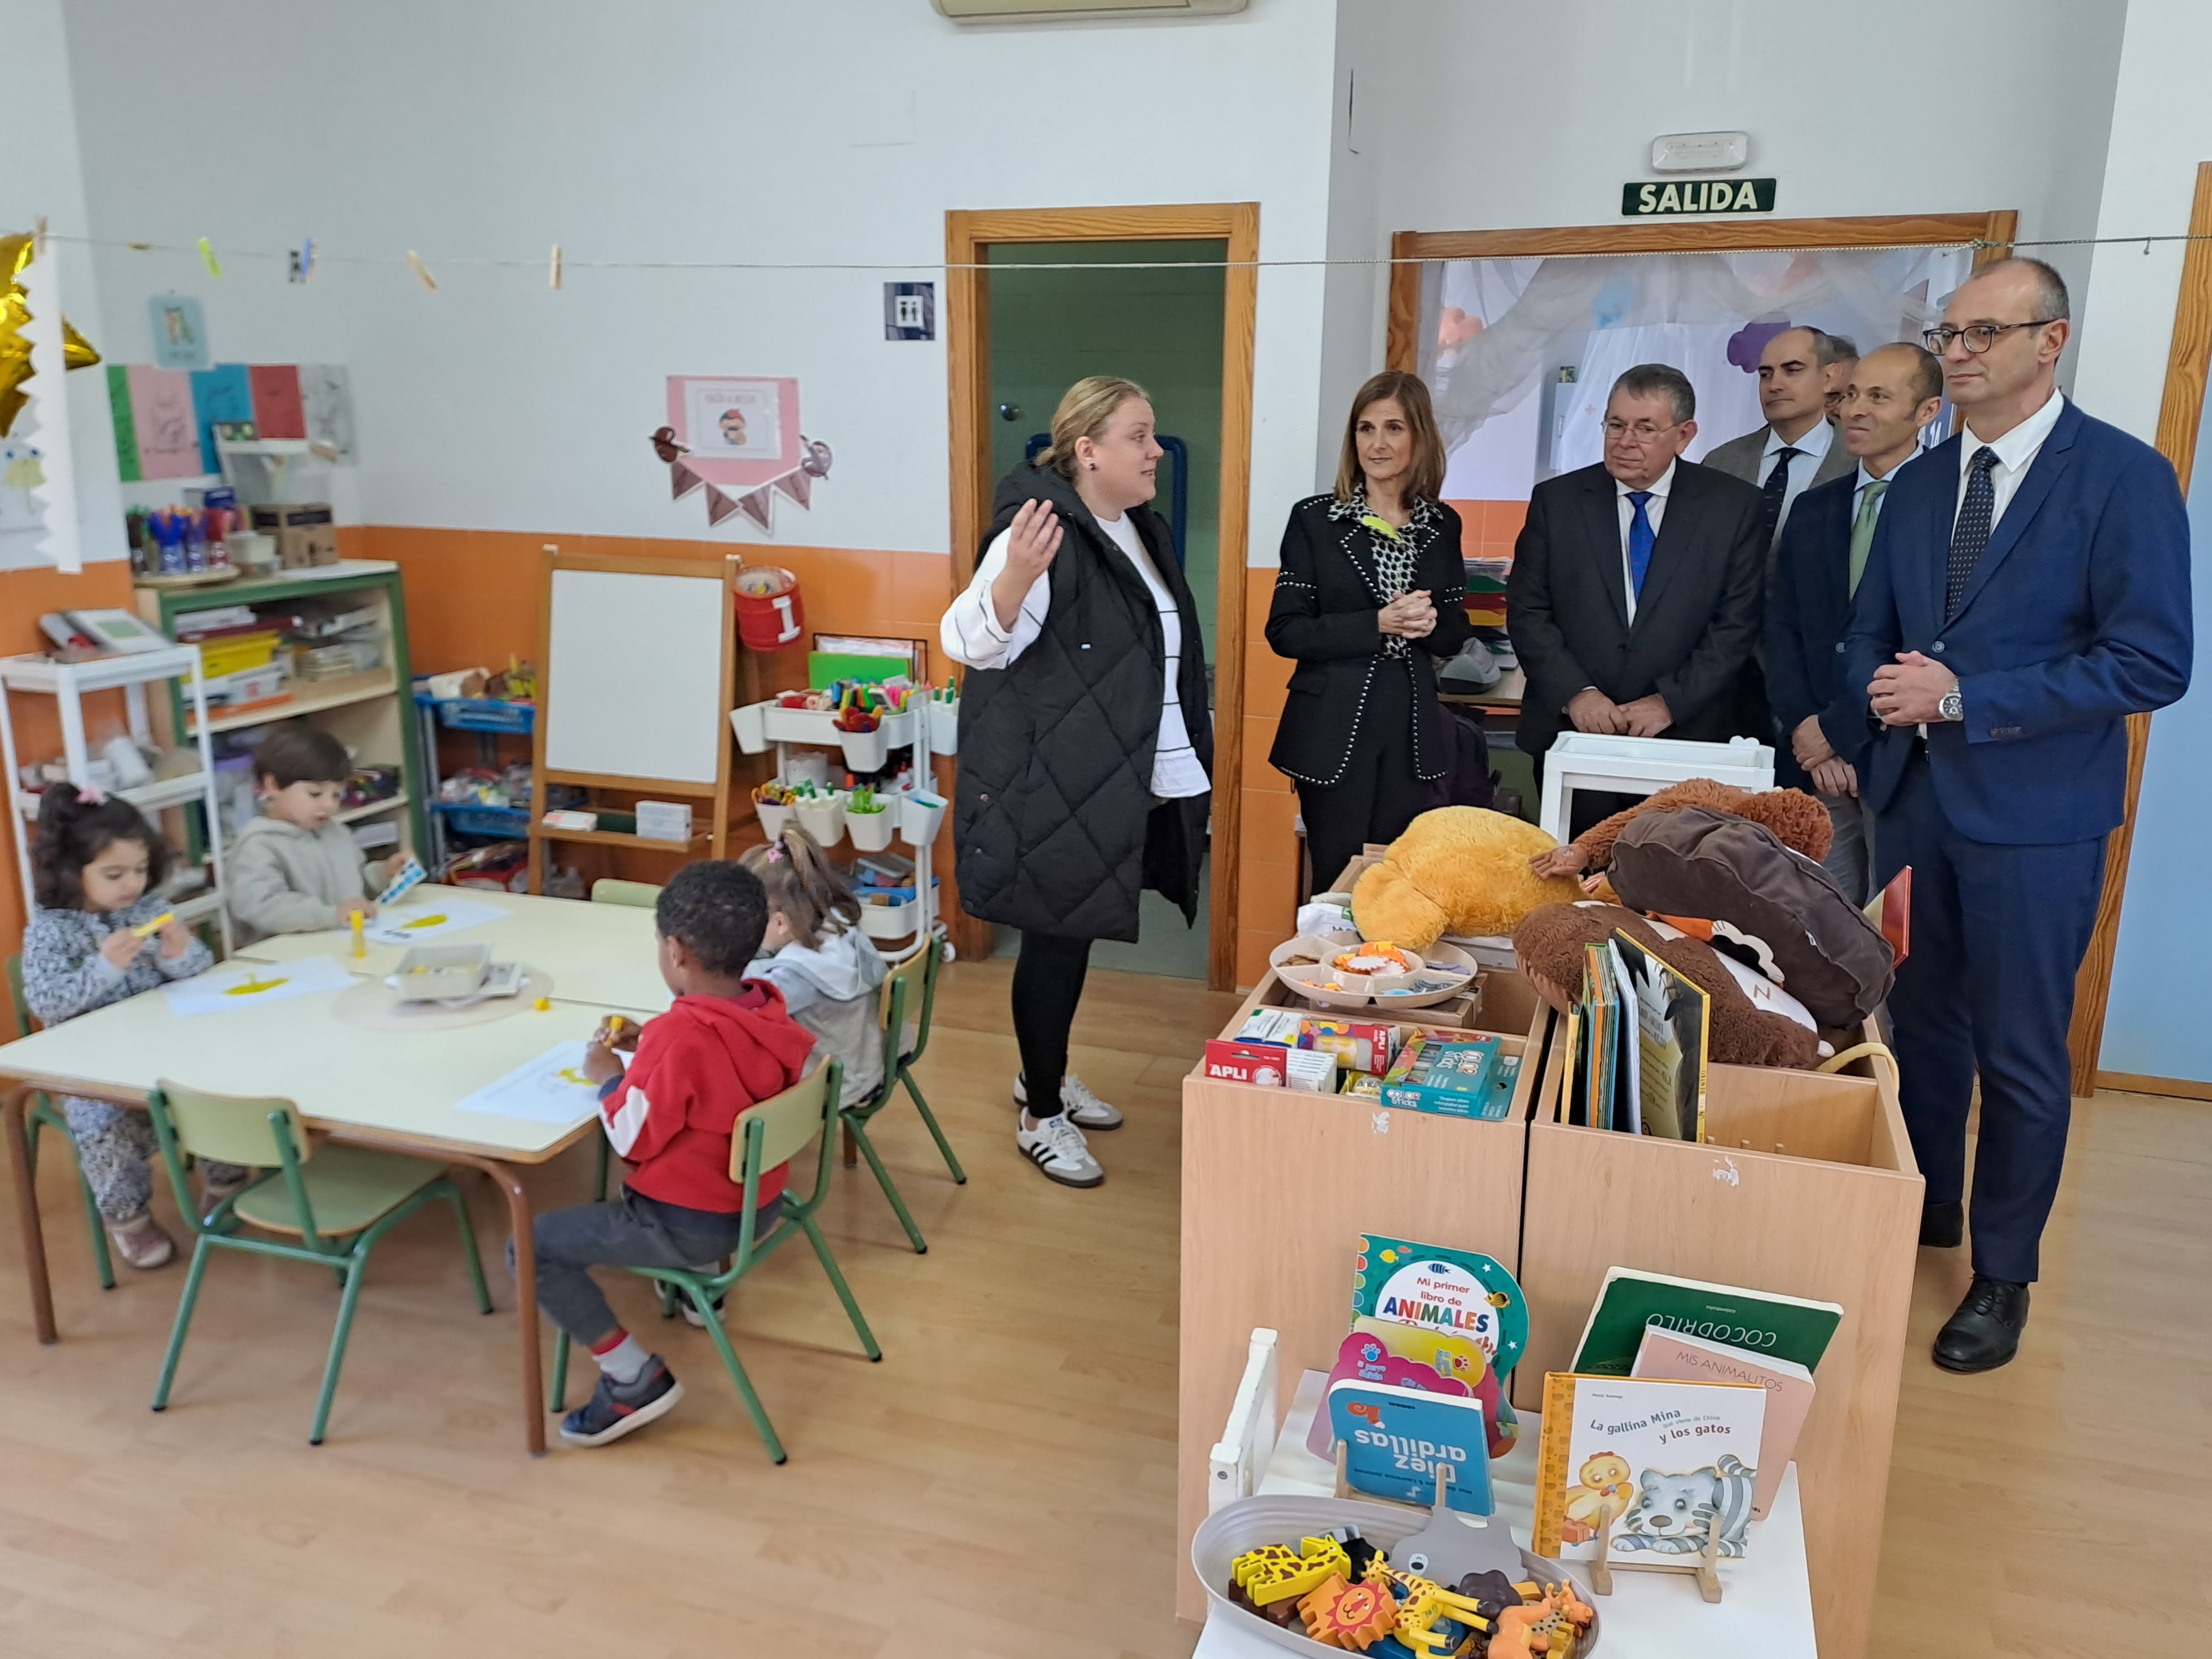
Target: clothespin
(207,259)
(415,260)
(39,237)
(553,270)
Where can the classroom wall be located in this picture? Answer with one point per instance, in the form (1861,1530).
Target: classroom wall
(1478,118)
(2162,128)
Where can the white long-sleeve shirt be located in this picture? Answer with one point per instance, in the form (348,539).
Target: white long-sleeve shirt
(970,634)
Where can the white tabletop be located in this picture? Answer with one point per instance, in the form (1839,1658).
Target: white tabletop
(600,955)
(1766,1606)
(402,1087)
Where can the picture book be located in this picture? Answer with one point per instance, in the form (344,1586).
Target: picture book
(1763,1322)
(1647,1466)
(1600,1017)
(1398,1442)
(1459,1293)
(1674,1356)
(1671,1018)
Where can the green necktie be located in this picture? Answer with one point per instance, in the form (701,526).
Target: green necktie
(1863,528)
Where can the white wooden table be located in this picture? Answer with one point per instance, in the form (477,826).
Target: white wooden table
(603,955)
(1767,1605)
(365,1087)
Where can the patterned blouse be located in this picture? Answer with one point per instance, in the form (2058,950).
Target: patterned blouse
(1397,557)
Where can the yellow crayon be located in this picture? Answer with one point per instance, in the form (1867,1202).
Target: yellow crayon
(148,929)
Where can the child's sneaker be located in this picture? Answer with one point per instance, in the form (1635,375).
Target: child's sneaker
(615,1408)
(1056,1147)
(216,1190)
(142,1243)
(1076,1101)
(691,1311)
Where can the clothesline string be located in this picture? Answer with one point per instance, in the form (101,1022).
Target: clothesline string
(321,257)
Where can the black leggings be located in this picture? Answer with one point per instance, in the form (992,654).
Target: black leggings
(1048,984)
(1378,794)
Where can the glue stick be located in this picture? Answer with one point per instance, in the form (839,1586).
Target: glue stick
(360,945)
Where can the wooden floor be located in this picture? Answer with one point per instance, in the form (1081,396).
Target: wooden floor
(1003,1484)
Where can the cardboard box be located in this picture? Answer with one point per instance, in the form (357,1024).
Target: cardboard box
(1358,1045)
(1261,1063)
(1315,1074)
(1450,1079)
(305,536)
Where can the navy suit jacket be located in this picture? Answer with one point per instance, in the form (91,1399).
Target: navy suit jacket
(1808,612)
(2076,616)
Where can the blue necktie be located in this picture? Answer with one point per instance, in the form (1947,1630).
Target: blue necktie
(1640,539)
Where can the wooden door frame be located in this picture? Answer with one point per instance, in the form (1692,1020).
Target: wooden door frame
(2180,410)
(967,236)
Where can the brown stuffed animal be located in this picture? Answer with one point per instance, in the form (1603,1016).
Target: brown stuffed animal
(1549,943)
(1798,821)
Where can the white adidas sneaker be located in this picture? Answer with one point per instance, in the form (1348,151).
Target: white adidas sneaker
(1076,1100)
(1056,1146)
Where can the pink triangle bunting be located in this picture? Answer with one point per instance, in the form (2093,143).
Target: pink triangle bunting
(759,506)
(682,481)
(799,487)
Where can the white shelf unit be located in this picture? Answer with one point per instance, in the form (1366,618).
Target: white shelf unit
(68,684)
(761,726)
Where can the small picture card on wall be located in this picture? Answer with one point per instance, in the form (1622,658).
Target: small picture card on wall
(179,332)
(277,410)
(909,311)
(732,418)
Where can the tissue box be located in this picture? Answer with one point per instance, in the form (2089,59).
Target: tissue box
(662,820)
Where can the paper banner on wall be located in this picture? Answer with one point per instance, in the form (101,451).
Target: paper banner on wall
(53,489)
(221,393)
(326,403)
(277,411)
(745,448)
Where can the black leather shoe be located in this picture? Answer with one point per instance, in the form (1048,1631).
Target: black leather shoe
(1942,1226)
(1984,1333)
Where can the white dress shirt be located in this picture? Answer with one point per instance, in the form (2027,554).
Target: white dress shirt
(1812,450)
(1655,510)
(1858,491)
(2015,450)
(970,634)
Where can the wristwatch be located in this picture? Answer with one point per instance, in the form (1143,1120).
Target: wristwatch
(1951,706)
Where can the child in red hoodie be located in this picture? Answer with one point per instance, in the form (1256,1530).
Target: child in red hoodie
(728,1043)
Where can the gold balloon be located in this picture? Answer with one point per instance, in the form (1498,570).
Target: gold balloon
(15,350)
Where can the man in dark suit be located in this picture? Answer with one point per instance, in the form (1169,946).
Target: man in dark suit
(1796,449)
(1894,391)
(1636,589)
(2027,589)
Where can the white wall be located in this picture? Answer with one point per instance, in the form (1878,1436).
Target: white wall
(837,130)
(40,174)
(1490,116)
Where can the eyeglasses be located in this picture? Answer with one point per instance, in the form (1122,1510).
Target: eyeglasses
(1978,336)
(1643,432)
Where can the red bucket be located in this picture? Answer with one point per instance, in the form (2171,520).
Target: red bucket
(770,615)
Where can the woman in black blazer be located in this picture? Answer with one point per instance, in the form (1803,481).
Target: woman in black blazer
(1371,593)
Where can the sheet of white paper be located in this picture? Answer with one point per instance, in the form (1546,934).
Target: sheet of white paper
(550,1089)
(411,924)
(246,985)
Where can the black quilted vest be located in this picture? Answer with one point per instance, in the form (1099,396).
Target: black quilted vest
(1053,804)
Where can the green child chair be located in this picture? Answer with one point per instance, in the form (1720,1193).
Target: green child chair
(912,984)
(775,1132)
(335,1203)
(638,895)
(46,1114)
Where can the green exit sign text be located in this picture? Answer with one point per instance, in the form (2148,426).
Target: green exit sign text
(1652,199)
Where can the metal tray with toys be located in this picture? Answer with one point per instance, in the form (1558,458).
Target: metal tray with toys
(1436,1545)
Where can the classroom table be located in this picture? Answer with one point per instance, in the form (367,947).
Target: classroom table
(364,1087)
(603,955)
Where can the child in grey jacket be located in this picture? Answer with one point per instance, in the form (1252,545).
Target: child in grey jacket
(815,953)
(96,872)
(295,869)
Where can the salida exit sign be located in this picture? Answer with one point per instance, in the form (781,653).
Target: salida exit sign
(1657,199)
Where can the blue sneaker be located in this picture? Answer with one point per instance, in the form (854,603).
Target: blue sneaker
(617,1409)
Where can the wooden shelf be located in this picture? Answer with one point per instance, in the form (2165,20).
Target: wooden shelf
(373,808)
(617,838)
(334,693)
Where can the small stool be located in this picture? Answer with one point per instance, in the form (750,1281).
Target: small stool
(1640,766)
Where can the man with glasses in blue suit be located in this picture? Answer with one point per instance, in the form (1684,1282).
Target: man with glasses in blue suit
(2027,590)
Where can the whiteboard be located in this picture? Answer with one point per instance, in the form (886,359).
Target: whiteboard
(634,675)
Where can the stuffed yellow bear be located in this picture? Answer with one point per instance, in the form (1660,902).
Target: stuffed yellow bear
(1456,870)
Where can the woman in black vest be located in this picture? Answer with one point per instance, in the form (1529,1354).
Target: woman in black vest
(1369,598)
(1085,736)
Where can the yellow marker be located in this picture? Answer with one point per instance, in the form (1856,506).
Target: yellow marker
(148,929)
(359,945)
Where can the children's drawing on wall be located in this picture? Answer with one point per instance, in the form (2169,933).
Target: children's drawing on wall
(736,437)
(19,471)
(326,400)
(179,332)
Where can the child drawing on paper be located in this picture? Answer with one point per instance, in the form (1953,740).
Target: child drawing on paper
(101,932)
(733,428)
